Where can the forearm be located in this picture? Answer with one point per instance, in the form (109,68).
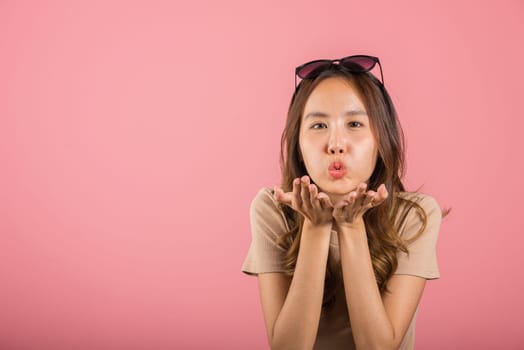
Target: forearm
(370,324)
(297,323)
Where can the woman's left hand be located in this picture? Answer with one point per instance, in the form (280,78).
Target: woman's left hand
(349,211)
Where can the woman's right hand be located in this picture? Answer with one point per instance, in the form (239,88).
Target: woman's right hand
(305,199)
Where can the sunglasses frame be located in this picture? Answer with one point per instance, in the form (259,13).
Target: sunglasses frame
(340,62)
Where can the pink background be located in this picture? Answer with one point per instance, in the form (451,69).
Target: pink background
(133,136)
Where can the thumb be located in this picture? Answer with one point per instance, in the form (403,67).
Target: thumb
(339,208)
(324,198)
(282,197)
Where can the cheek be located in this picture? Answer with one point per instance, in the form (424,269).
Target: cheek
(304,146)
(368,154)
(308,155)
(373,157)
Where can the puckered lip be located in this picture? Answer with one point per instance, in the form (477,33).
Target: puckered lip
(337,165)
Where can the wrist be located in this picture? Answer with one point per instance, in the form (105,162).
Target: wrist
(324,225)
(354,226)
(352,231)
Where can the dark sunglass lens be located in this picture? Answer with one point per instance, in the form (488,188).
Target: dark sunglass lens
(312,69)
(359,64)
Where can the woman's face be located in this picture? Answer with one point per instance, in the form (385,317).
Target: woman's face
(337,145)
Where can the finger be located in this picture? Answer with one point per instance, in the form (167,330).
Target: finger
(296,192)
(325,202)
(370,200)
(304,191)
(377,198)
(352,199)
(340,210)
(361,194)
(382,192)
(313,197)
(341,203)
(380,196)
(352,206)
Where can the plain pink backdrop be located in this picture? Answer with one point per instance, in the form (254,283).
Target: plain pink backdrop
(134,135)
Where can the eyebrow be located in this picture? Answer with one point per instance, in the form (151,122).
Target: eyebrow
(324,115)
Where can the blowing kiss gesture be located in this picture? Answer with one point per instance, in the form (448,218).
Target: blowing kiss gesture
(317,207)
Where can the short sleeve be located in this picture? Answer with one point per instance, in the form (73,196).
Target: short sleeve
(422,258)
(267,222)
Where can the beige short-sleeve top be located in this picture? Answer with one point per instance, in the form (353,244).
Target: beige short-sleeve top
(268,222)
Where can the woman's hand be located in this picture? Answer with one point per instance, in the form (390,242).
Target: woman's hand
(305,199)
(349,211)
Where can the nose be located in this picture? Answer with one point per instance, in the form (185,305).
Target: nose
(336,143)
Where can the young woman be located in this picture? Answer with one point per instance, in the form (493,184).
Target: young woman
(342,252)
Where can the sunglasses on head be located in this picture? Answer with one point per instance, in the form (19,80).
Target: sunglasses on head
(353,64)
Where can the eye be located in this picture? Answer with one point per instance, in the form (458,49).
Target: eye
(319,126)
(355,124)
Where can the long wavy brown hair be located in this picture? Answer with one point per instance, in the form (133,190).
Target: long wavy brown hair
(381,222)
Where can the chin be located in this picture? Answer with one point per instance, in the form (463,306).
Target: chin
(339,188)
